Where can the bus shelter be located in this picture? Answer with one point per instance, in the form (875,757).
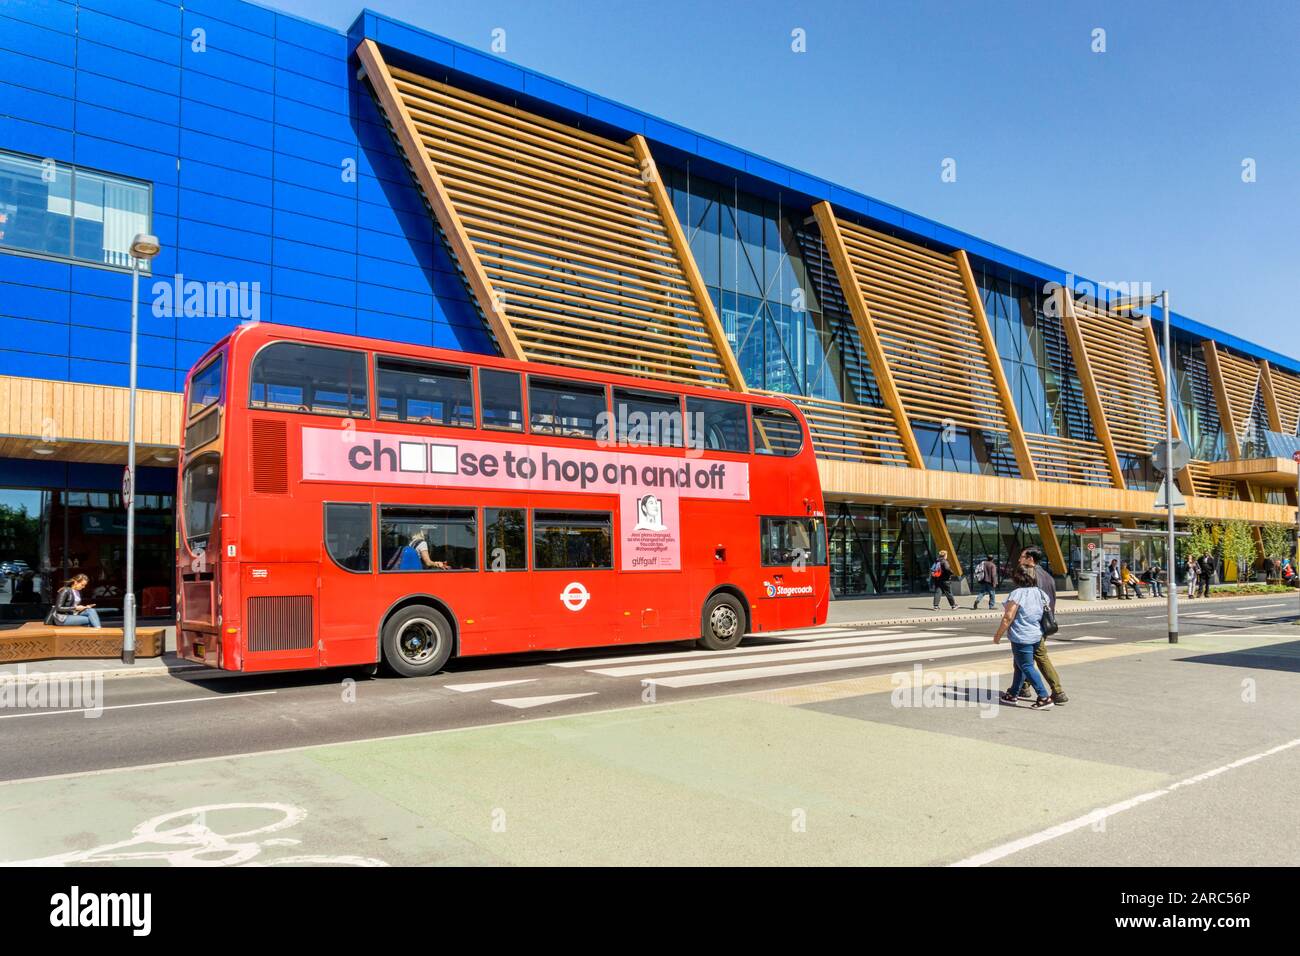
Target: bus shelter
(1139,548)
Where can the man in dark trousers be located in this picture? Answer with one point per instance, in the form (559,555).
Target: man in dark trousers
(940,575)
(1207,573)
(986,581)
(1032,557)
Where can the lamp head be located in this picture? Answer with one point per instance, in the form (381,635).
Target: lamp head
(145,246)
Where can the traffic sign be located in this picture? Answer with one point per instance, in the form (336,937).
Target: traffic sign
(1182,455)
(1092,545)
(1163,496)
(126,487)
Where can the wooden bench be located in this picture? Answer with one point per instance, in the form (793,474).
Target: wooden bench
(35,641)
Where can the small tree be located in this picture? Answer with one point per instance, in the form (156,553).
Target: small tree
(1279,541)
(1238,544)
(1199,540)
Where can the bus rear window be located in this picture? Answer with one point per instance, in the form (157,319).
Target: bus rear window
(199,499)
(289,377)
(206,387)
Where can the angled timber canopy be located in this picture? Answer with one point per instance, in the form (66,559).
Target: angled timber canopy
(567,240)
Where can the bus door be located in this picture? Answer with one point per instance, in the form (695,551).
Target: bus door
(281,615)
(575,589)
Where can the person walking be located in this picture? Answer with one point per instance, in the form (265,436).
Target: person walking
(1033,558)
(940,578)
(1022,623)
(986,581)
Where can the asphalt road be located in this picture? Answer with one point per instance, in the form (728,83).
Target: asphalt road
(151,720)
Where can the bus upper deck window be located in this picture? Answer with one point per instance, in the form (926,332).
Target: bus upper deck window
(206,387)
(647,418)
(569,409)
(289,377)
(717,425)
(421,392)
(776,432)
(501,400)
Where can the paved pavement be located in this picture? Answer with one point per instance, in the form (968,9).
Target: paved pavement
(804,749)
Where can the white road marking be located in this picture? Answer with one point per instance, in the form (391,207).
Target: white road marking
(1258,607)
(523,703)
(755,673)
(148,703)
(486,685)
(783,655)
(1096,816)
(1083,623)
(860,637)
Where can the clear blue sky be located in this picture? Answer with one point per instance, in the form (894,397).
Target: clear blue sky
(1120,166)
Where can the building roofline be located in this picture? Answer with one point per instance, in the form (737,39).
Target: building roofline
(558,99)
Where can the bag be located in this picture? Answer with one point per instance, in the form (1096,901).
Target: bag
(1047,623)
(936,570)
(981,572)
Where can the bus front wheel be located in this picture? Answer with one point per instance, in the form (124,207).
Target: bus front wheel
(417,641)
(724,623)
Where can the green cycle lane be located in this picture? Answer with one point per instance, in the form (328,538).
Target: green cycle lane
(845,778)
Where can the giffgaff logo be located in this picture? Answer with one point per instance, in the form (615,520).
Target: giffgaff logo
(74,909)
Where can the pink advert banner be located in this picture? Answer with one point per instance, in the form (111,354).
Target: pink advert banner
(649,486)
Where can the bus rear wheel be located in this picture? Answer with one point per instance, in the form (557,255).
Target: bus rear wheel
(417,641)
(724,623)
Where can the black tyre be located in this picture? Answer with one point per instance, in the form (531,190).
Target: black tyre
(417,641)
(724,623)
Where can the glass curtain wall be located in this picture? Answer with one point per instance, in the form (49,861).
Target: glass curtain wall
(46,536)
(878,550)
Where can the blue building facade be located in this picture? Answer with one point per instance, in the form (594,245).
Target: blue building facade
(242,138)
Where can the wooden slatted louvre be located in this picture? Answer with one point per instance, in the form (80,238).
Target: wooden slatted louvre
(1236,384)
(1284,405)
(566,237)
(1205,485)
(1069,460)
(927,329)
(843,431)
(1124,372)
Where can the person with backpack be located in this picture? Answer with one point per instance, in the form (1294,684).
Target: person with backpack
(1022,622)
(986,581)
(940,576)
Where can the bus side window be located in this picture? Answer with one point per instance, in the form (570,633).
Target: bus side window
(573,540)
(505,538)
(501,401)
(422,392)
(647,418)
(290,377)
(776,432)
(786,541)
(428,539)
(717,425)
(569,409)
(347,535)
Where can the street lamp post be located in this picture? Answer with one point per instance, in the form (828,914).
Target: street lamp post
(143,248)
(1171,566)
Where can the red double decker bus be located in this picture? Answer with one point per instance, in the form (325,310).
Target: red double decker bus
(349,501)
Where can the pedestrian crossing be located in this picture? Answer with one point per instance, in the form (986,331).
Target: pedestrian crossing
(804,652)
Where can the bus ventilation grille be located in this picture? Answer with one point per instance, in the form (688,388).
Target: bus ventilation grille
(279,623)
(270,461)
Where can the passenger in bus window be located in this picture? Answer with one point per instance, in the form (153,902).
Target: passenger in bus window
(415,556)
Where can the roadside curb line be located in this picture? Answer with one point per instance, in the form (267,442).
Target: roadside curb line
(125,671)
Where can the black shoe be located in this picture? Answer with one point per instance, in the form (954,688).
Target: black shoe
(1060,698)
(1043,703)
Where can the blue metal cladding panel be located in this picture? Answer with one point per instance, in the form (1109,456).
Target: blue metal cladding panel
(270,166)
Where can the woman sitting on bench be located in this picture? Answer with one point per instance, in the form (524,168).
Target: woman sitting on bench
(68,610)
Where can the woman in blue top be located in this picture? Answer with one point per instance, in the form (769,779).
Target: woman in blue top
(1021,621)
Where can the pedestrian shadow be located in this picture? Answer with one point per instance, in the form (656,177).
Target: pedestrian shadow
(1273,657)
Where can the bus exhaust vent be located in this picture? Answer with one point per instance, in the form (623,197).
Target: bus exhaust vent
(270,457)
(279,623)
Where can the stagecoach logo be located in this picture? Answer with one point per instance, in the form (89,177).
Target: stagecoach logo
(786,590)
(575,596)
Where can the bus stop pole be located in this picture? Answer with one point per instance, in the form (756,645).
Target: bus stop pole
(1171,559)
